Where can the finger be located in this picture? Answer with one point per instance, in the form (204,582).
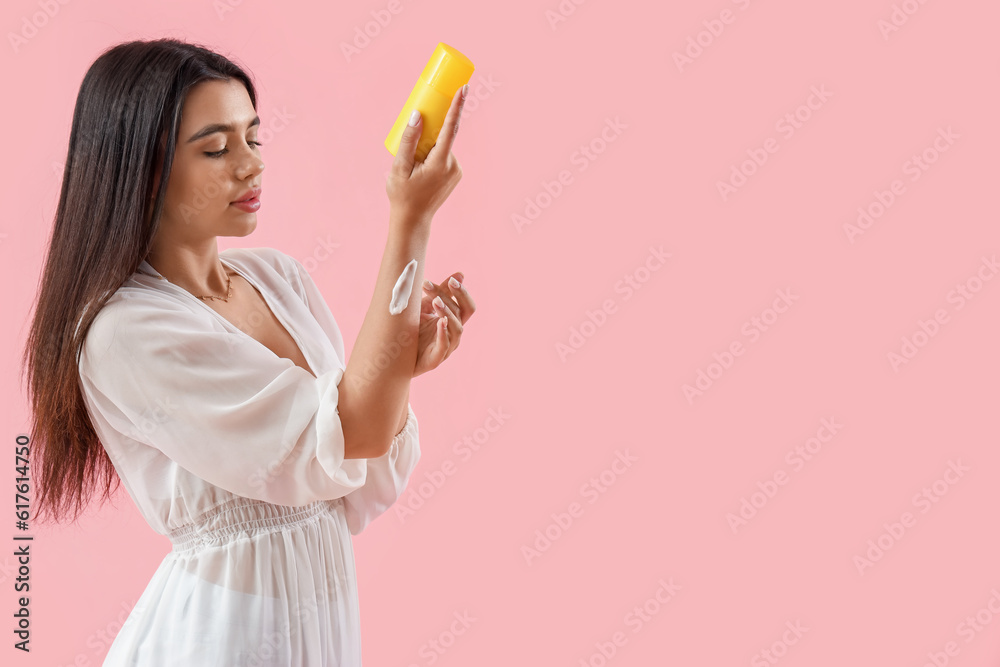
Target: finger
(433,291)
(405,154)
(446,137)
(427,307)
(444,311)
(461,295)
(439,288)
(443,343)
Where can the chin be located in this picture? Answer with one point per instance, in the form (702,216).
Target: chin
(244,229)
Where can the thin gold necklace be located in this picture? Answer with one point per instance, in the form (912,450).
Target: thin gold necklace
(229,287)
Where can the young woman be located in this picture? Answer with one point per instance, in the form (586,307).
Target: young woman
(214,384)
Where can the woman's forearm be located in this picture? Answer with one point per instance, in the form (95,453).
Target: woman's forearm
(374,391)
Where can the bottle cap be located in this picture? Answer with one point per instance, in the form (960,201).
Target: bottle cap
(447,70)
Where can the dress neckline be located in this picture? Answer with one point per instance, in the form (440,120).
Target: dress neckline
(304,350)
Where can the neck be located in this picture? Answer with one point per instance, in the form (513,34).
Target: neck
(198,270)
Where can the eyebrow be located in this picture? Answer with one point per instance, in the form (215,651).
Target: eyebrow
(219,127)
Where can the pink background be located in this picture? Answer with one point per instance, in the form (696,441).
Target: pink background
(541,93)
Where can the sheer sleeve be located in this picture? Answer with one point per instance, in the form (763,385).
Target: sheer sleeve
(387,477)
(387,474)
(231,412)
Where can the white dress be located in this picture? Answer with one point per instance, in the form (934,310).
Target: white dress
(237,456)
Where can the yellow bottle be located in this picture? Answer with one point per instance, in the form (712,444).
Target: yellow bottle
(446,72)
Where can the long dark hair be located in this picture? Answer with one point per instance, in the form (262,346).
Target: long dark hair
(125,125)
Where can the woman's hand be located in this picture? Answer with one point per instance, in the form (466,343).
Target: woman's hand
(441,326)
(417,189)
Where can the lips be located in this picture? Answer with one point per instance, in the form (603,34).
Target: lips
(248,195)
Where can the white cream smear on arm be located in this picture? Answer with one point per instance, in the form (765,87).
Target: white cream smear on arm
(401,291)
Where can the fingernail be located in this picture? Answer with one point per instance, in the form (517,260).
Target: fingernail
(414,117)
(454,283)
(428,285)
(465,90)
(439,302)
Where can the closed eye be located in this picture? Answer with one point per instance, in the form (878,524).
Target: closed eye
(226,150)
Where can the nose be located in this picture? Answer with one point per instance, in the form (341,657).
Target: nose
(249,164)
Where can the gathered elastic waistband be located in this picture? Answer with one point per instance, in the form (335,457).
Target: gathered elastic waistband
(243,517)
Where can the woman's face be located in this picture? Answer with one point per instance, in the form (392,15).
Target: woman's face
(217,162)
